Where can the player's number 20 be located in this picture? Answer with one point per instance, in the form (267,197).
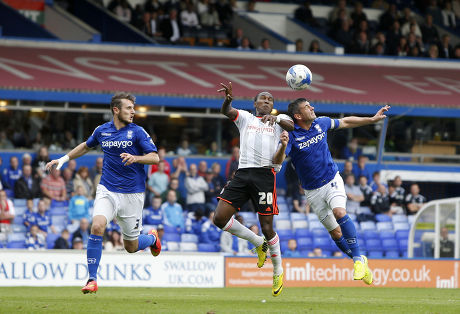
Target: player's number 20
(265,198)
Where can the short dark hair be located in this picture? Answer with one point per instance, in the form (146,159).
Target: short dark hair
(293,107)
(257,96)
(118,97)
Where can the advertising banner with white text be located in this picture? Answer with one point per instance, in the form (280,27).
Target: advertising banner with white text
(68,268)
(323,272)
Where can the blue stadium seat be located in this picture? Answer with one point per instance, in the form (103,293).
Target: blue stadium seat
(320,233)
(323,243)
(282,224)
(369,234)
(298,216)
(17,202)
(392,254)
(304,244)
(207,247)
(189,237)
(16,245)
(59,221)
(9,193)
(390,245)
(375,254)
(18,219)
(326,253)
(59,211)
(19,210)
(402,234)
(170,229)
(50,239)
(304,253)
(315,224)
(401,226)
(353,217)
(172,246)
(411,219)
(55,203)
(402,243)
(399,218)
(283,245)
(312,217)
(248,216)
(283,214)
(16,237)
(373,244)
(384,226)
(188,247)
(283,208)
(285,234)
(368,225)
(280,199)
(382,218)
(303,233)
(387,234)
(171,237)
(18,228)
(299,224)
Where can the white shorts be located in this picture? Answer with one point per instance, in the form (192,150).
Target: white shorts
(126,207)
(326,198)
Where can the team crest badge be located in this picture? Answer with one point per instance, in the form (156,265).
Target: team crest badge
(129,134)
(318,128)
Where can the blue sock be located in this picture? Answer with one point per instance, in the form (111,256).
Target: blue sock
(343,246)
(93,255)
(349,233)
(145,240)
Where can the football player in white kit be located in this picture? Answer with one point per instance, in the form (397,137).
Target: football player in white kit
(319,176)
(255,178)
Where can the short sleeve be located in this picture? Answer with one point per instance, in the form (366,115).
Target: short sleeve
(242,118)
(93,140)
(145,141)
(335,123)
(285,117)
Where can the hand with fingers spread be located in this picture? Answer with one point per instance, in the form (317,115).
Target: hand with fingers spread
(227,90)
(380,115)
(128,159)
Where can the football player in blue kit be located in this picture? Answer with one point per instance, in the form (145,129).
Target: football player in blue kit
(127,148)
(319,176)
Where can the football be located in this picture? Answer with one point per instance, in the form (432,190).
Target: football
(299,77)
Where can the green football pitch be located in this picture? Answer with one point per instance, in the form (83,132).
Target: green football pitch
(229,300)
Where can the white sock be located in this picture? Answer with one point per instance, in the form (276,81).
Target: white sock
(234,227)
(275,254)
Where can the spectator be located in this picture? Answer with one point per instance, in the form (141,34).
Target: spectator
(26,159)
(153,215)
(433,52)
(11,174)
(53,186)
(347,170)
(376,181)
(361,168)
(96,171)
(358,15)
(147,23)
(361,44)
(189,18)
(77,243)
(115,242)
(7,214)
(113,226)
(43,219)
(264,45)
(429,31)
(153,5)
(232,164)
(210,233)
(299,45)
(245,44)
(213,150)
(69,141)
(304,14)
(82,179)
(34,239)
(202,6)
(167,166)
(447,247)
(380,5)
(173,185)
(158,181)
(83,232)
(29,217)
(196,186)
(411,27)
(212,192)
(403,48)
(79,205)
(202,168)
(62,243)
(299,201)
(388,18)
(343,35)
(445,48)
(393,36)
(217,180)
(379,47)
(184,149)
(5,142)
(170,28)
(124,12)
(317,252)
(335,13)
(251,6)
(380,201)
(237,40)
(173,213)
(414,200)
(314,47)
(72,166)
(354,195)
(195,221)
(448,15)
(352,151)
(40,162)
(225,11)
(67,176)
(210,17)
(366,190)
(292,249)
(27,186)
(397,195)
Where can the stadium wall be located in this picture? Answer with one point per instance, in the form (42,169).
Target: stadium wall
(205,270)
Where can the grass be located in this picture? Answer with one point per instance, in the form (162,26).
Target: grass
(229,300)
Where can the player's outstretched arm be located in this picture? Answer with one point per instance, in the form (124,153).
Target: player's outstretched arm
(353,122)
(147,159)
(78,151)
(280,153)
(227,108)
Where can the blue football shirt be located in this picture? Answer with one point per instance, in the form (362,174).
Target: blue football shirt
(131,139)
(310,153)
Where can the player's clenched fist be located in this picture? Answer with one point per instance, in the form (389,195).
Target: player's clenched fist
(284,138)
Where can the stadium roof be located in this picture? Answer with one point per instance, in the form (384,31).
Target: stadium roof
(189,78)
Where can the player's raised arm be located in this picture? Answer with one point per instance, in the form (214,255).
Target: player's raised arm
(353,122)
(280,153)
(227,108)
(78,151)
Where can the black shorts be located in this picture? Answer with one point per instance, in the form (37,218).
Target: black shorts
(256,184)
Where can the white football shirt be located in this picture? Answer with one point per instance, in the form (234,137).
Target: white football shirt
(258,141)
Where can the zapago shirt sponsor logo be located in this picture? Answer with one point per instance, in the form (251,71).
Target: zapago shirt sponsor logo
(313,140)
(117,144)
